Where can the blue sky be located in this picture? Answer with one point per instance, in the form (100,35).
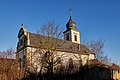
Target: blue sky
(94,18)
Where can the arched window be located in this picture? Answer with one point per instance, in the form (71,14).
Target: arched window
(67,37)
(75,37)
(24,61)
(70,62)
(71,65)
(19,62)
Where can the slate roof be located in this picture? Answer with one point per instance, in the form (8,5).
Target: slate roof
(5,63)
(37,40)
(115,67)
(9,69)
(95,62)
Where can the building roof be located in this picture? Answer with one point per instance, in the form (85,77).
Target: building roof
(9,69)
(115,67)
(95,62)
(37,40)
(7,62)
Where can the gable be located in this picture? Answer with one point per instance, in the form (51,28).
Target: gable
(22,38)
(22,31)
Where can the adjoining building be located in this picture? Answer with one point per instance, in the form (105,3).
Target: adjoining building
(97,70)
(8,69)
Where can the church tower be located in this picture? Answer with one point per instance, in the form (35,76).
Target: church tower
(71,33)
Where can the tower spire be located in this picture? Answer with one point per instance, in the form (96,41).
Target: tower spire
(22,25)
(71,33)
(71,24)
(70,12)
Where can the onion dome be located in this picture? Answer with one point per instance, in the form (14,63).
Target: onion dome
(71,24)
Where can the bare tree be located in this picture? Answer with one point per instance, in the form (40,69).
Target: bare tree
(50,29)
(97,47)
(45,55)
(8,65)
(9,53)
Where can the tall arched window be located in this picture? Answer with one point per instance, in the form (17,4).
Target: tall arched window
(67,37)
(24,61)
(19,62)
(71,65)
(75,37)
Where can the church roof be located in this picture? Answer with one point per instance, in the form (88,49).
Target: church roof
(41,41)
(71,24)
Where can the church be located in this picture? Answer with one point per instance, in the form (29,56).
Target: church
(33,47)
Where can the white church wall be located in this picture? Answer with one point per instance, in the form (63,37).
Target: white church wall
(91,56)
(34,58)
(64,56)
(84,59)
